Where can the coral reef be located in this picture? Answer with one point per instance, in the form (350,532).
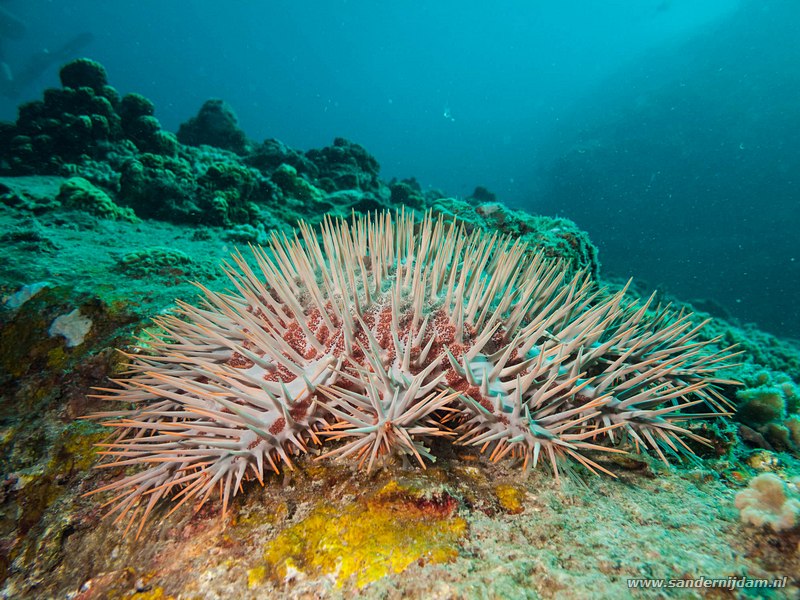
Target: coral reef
(558,238)
(271,154)
(760,348)
(160,187)
(228,192)
(84,72)
(216,124)
(157,261)
(210,173)
(294,186)
(767,503)
(407,193)
(35,195)
(346,166)
(462,527)
(769,405)
(80,194)
(118,145)
(482,196)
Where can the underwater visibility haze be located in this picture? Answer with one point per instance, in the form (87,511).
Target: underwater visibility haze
(617,116)
(315,299)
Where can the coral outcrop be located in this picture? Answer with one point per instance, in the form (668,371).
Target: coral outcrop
(769,407)
(558,238)
(216,124)
(209,174)
(346,165)
(767,503)
(79,282)
(80,194)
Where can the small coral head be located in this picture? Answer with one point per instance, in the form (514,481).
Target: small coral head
(378,336)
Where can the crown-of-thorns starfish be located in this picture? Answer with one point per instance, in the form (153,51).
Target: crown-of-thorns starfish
(381,334)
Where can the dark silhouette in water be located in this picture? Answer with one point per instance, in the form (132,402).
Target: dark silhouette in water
(13,82)
(11,27)
(39,62)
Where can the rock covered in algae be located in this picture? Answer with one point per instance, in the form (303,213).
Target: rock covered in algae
(345,165)
(768,407)
(80,194)
(215,124)
(375,536)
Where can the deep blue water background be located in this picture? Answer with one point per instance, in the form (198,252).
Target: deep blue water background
(668,129)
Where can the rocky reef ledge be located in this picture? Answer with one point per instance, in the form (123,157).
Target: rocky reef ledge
(106,219)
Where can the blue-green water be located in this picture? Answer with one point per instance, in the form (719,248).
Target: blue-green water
(668,129)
